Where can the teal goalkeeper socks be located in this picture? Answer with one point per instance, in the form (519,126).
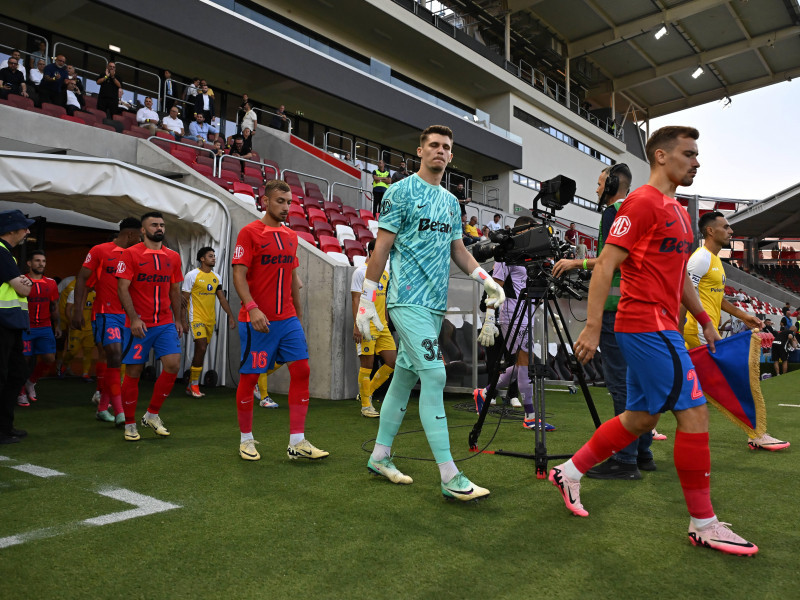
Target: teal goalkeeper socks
(431,413)
(393,408)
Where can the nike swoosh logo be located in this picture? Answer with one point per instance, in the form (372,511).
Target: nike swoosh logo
(569,493)
(402,410)
(671,223)
(462,492)
(421,205)
(441,417)
(142,264)
(265,245)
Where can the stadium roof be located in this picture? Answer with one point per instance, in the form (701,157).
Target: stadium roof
(741,45)
(777,216)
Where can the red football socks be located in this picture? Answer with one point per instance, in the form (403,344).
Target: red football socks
(161,390)
(130,395)
(113,388)
(693,464)
(299,372)
(40,369)
(244,401)
(609,437)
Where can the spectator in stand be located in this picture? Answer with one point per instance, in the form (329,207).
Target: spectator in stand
(200,131)
(472,229)
(146,117)
(461,195)
(784,340)
(247,137)
(219,151)
(571,235)
(172,123)
(494,224)
(401,173)
(123,104)
(204,103)
(249,119)
(203,83)
(37,55)
(168,87)
(16,55)
(71,97)
(484,233)
(35,79)
(11,80)
(110,87)
(240,112)
(786,320)
(239,150)
(380,183)
(465,236)
(768,328)
(73,74)
(53,80)
(279,120)
(191,90)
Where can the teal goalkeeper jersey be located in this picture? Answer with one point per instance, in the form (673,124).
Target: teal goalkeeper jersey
(426,219)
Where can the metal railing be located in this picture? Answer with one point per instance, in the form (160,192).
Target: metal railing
(27,33)
(309,175)
(152,92)
(274,114)
(257,163)
(341,137)
(363,193)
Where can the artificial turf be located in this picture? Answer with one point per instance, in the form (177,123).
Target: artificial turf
(327,529)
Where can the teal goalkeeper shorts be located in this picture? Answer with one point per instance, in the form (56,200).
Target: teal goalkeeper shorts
(418,329)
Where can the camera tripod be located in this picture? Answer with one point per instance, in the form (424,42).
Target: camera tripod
(540,290)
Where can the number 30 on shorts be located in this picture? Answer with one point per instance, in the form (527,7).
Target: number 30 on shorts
(696,391)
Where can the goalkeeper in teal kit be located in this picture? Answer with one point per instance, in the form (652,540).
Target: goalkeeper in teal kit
(420,225)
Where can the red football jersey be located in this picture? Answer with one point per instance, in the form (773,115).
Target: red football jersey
(657,233)
(45,291)
(102,261)
(151,273)
(270,255)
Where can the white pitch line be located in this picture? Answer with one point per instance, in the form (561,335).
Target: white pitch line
(791,405)
(37,471)
(145,505)
(5,458)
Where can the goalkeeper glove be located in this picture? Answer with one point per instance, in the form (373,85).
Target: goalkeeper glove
(366,310)
(489,330)
(494,293)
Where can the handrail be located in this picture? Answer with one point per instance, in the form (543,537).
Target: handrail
(328,183)
(26,32)
(364,156)
(57,44)
(360,189)
(146,72)
(327,133)
(23,55)
(390,153)
(184,144)
(269,112)
(247,160)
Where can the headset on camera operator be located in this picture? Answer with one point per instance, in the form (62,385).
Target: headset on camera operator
(613,186)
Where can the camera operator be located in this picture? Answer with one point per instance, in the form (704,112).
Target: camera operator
(513,280)
(613,186)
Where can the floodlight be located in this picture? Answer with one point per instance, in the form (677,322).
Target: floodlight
(699,71)
(661,32)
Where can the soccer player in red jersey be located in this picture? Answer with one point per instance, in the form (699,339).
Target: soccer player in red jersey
(264,276)
(650,242)
(40,340)
(149,286)
(108,318)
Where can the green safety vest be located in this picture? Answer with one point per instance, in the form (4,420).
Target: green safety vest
(13,307)
(380,183)
(614,293)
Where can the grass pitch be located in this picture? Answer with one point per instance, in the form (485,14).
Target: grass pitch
(327,529)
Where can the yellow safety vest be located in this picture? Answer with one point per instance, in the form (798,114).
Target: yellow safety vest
(380,183)
(13,307)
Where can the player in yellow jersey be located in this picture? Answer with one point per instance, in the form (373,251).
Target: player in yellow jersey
(202,287)
(382,342)
(82,341)
(708,276)
(65,286)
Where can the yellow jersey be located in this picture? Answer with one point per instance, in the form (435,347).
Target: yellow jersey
(63,296)
(87,306)
(708,277)
(202,302)
(357,283)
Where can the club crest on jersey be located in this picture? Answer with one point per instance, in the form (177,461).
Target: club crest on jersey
(621,226)
(238,251)
(386,206)
(120,267)
(428,225)
(88,257)
(210,287)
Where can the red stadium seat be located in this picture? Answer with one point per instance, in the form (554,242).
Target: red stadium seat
(254,181)
(253,171)
(356,222)
(204,170)
(313,212)
(323,228)
(229,175)
(54,110)
(165,135)
(136,134)
(364,236)
(353,247)
(337,200)
(205,159)
(297,210)
(21,102)
(104,126)
(91,101)
(307,237)
(299,224)
(73,119)
(349,210)
(326,206)
(337,219)
(328,244)
(366,215)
